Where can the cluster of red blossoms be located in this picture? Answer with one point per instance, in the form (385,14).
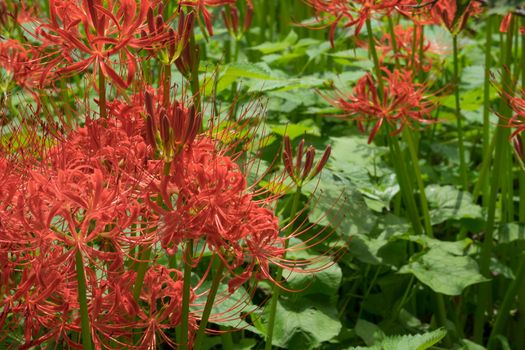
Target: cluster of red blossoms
(401,56)
(400,102)
(107,192)
(109,230)
(453,14)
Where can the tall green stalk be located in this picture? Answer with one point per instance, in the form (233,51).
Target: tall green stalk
(184,324)
(508,302)
(102,95)
(276,291)
(522,173)
(194,83)
(403,175)
(407,134)
(82,300)
(209,305)
(459,118)
(499,167)
(486,107)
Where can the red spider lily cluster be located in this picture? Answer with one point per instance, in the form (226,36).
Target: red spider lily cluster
(400,102)
(107,191)
(101,223)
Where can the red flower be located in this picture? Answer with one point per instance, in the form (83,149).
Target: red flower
(200,6)
(352,13)
(85,33)
(452,14)
(518,119)
(403,102)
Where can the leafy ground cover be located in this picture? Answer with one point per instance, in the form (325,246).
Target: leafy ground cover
(258,174)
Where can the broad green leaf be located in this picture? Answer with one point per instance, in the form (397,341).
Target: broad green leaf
(444,272)
(472,77)
(230,309)
(234,71)
(405,342)
(325,282)
(511,232)
(305,127)
(355,150)
(448,203)
(271,47)
(298,325)
(470,345)
(338,204)
(369,332)
(470,100)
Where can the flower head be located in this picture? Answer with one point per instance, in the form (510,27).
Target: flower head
(401,103)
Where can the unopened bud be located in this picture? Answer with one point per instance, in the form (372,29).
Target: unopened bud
(248,18)
(322,162)
(299,157)
(150,131)
(159,24)
(164,129)
(309,162)
(149,104)
(151,21)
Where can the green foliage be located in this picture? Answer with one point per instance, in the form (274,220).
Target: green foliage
(402,342)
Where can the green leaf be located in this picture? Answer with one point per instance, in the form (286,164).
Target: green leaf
(470,345)
(231,308)
(511,232)
(304,127)
(325,282)
(298,325)
(272,47)
(449,203)
(444,272)
(338,204)
(404,342)
(369,332)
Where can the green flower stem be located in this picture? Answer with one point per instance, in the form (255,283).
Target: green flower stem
(284,17)
(499,167)
(145,253)
(82,300)
(166,84)
(407,192)
(459,119)
(520,343)
(209,305)
(508,302)
(142,267)
(407,134)
(184,325)
(226,338)
(102,95)
(393,39)
(194,79)
(276,291)
(486,110)
(375,58)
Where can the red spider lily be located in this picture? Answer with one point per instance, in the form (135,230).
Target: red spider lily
(201,8)
(162,294)
(230,16)
(168,48)
(451,13)
(85,33)
(20,63)
(403,102)
(518,119)
(352,13)
(101,190)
